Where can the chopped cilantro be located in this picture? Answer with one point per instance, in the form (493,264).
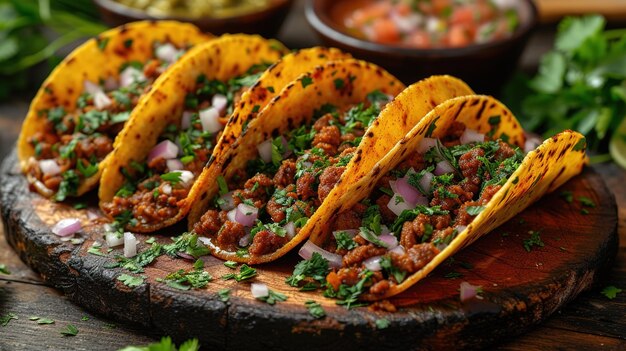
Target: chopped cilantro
(534,240)
(172,177)
(87,171)
(245,272)
(166,344)
(273,297)
(315,309)
(372,237)
(84,318)
(136,264)
(431,127)
(68,186)
(382,323)
(409,215)
(567,195)
(230,264)
(187,243)
(4,269)
(224,294)
(315,269)
(94,249)
(70,330)
(349,295)
(197,278)
(474,210)
(5,319)
(587,202)
(130,281)
(390,269)
(344,241)
(45,321)
(611,291)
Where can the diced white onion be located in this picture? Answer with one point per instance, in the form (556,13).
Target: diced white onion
(443,167)
(186,177)
(265,151)
(471,136)
(91,87)
(259,290)
(101,100)
(219,102)
(246,215)
(531,144)
(131,75)
(174,164)
(307,250)
(398,250)
(166,149)
(93,214)
(130,245)
(209,118)
(50,167)
(373,264)
(426,144)
(426,180)
(290,228)
(231,215)
(167,52)
(185,121)
(203,239)
(167,189)
(398,206)
(245,240)
(227,202)
(66,227)
(114,239)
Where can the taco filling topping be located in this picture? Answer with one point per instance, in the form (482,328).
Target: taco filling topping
(260,209)
(152,190)
(415,211)
(76,141)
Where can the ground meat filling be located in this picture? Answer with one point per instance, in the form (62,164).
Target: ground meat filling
(154,193)
(281,194)
(73,143)
(474,173)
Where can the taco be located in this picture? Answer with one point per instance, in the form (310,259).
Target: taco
(279,173)
(458,174)
(80,108)
(150,181)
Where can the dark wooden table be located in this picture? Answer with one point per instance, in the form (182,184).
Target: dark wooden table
(591,322)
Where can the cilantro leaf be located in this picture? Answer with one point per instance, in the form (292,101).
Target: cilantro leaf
(315,309)
(4,269)
(534,240)
(224,294)
(273,297)
(315,269)
(70,330)
(611,291)
(130,281)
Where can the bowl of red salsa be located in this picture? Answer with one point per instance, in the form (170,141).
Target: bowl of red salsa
(479,41)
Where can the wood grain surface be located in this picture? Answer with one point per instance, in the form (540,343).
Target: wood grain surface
(520,288)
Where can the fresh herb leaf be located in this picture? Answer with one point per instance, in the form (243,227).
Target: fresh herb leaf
(5,319)
(567,195)
(344,241)
(474,210)
(136,264)
(4,269)
(313,270)
(273,297)
(382,323)
(224,294)
(70,330)
(315,309)
(130,281)
(611,291)
(197,278)
(390,269)
(349,295)
(231,264)
(245,272)
(187,243)
(172,177)
(221,182)
(587,202)
(534,240)
(45,321)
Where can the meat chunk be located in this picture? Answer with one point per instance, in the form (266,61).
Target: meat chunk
(266,242)
(450,197)
(470,164)
(361,253)
(230,234)
(503,152)
(305,186)
(328,139)
(415,258)
(328,179)
(285,174)
(209,224)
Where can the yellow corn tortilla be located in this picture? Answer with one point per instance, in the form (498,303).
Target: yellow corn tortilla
(543,170)
(96,59)
(226,57)
(295,106)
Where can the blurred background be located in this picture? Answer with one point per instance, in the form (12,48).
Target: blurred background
(554,71)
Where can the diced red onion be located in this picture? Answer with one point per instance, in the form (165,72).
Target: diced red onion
(186,177)
(167,52)
(245,240)
(246,214)
(384,230)
(101,100)
(185,256)
(426,144)
(390,240)
(290,228)
(259,290)
(443,167)
(66,227)
(350,232)
(398,206)
(425,181)
(265,151)
(50,167)
(373,264)
(185,121)
(210,120)
(398,250)
(113,239)
(93,215)
(130,245)
(219,102)
(166,149)
(174,164)
(307,250)
(91,87)
(167,189)
(227,202)
(131,75)
(111,84)
(531,144)
(231,215)
(409,193)
(468,291)
(471,136)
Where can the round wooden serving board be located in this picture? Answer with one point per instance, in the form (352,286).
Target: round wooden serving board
(520,288)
